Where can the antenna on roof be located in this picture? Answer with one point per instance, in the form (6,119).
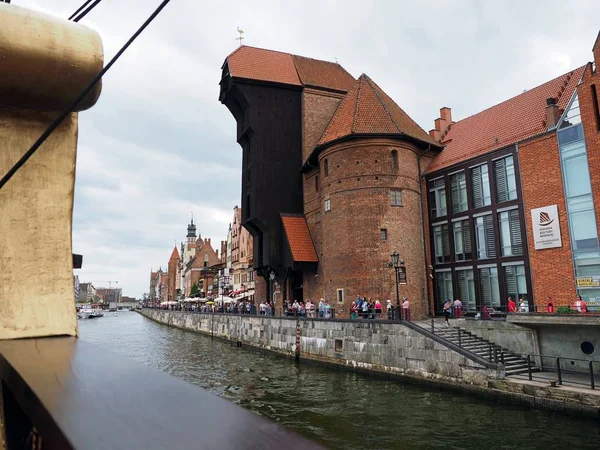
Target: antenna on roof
(336,61)
(240,38)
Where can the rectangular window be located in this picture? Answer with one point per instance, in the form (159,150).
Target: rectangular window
(481,186)
(441,243)
(437,198)
(466,289)
(577,176)
(383,234)
(510,233)
(340,296)
(484,237)
(327,205)
(515,281)
(458,188)
(396,197)
(490,291)
(462,240)
(506,185)
(443,288)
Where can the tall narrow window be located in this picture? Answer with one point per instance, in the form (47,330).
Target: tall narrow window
(510,233)
(396,197)
(458,188)
(466,288)
(490,290)
(383,234)
(515,281)
(206,260)
(395,160)
(596,106)
(316,183)
(462,240)
(437,198)
(506,185)
(327,205)
(441,243)
(481,186)
(326,167)
(484,237)
(443,288)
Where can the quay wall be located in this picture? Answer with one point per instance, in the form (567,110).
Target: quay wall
(378,347)
(368,345)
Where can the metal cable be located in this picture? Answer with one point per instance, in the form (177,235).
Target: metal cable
(87,2)
(79,98)
(87,10)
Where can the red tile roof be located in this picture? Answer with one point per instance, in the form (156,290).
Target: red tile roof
(298,236)
(507,123)
(175,254)
(278,67)
(366,109)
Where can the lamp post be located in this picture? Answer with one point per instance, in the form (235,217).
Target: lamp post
(397,263)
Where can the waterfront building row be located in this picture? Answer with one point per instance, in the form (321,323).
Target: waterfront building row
(502,203)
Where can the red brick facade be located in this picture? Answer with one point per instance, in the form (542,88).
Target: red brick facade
(353,255)
(551,269)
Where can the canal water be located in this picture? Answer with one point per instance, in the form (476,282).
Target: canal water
(341,410)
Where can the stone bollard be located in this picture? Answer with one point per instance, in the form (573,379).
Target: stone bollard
(45,64)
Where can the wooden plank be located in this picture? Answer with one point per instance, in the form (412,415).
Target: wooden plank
(81,396)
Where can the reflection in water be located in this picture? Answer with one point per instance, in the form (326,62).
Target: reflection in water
(342,410)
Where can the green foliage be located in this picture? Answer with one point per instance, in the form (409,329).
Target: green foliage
(565,310)
(194,290)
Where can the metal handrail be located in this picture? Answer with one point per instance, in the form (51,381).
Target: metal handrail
(556,367)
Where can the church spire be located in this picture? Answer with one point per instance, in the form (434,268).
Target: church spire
(191,230)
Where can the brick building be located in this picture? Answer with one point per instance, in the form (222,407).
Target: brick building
(174,275)
(467,206)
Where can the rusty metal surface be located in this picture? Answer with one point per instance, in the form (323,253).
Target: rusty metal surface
(57,382)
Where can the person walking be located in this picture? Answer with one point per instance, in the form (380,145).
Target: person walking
(512,306)
(457,308)
(580,305)
(447,311)
(406,309)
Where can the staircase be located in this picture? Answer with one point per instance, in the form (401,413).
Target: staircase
(514,364)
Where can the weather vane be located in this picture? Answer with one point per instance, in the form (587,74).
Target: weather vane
(240,38)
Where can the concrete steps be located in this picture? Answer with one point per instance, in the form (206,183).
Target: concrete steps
(514,364)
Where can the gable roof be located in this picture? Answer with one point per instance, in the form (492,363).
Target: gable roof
(366,109)
(174,254)
(299,239)
(260,64)
(507,123)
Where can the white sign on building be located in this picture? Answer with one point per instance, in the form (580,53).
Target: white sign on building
(546,227)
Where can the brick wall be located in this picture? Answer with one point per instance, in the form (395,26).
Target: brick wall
(541,178)
(317,109)
(352,254)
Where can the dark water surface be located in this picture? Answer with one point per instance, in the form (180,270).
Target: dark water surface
(340,409)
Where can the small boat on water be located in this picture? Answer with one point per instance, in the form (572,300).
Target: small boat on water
(89,313)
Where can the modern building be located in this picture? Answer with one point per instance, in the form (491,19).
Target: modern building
(501,203)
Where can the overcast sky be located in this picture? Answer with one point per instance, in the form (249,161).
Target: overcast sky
(159,145)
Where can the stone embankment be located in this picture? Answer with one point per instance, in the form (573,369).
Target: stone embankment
(377,347)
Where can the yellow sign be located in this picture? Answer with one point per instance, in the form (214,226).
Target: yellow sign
(588,282)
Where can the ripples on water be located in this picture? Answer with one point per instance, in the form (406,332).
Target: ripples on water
(342,410)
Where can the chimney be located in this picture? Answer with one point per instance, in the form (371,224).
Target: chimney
(442,124)
(552,113)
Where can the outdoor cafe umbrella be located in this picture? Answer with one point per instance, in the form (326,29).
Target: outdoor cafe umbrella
(169,303)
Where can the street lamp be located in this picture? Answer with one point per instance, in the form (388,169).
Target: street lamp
(397,263)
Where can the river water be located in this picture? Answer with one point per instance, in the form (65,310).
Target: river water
(341,410)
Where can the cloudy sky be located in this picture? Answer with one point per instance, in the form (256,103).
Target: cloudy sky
(159,145)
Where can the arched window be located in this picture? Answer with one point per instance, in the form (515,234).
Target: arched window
(326,167)
(206,260)
(395,160)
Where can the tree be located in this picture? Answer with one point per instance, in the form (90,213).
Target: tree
(194,290)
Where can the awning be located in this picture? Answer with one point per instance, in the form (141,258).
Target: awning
(299,239)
